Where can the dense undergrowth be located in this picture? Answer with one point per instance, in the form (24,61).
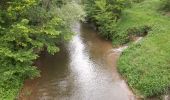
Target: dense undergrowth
(106,16)
(146,65)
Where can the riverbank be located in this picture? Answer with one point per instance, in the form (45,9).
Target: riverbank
(145,65)
(82,70)
(9,90)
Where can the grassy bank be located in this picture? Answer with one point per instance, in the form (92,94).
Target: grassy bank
(146,65)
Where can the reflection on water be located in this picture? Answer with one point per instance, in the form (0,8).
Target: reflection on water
(83,70)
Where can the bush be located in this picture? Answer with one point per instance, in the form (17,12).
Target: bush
(128,34)
(139,31)
(166,5)
(105,14)
(12,79)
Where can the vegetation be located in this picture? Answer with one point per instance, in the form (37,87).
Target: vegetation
(105,14)
(146,65)
(26,28)
(166,5)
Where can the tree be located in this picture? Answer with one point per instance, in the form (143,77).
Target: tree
(26,28)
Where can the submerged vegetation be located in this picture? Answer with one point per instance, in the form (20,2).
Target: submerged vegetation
(26,28)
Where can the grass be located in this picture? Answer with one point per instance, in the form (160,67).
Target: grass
(146,65)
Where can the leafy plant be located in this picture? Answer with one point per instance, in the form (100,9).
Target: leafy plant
(166,5)
(105,14)
(28,27)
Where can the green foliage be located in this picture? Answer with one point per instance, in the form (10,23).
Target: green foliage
(146,65)
(166,5)
(26,28)
(104,14)
(137,1)
(76,13)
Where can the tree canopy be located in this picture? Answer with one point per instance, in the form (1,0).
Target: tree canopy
(26,28)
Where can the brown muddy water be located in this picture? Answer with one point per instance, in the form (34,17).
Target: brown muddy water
(84,69)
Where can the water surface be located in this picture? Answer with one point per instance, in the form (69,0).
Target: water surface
(84,69)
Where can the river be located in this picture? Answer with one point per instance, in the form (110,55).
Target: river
(84,69)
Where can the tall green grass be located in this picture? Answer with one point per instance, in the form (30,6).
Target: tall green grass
(146,65)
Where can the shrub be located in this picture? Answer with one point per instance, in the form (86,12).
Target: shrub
(105,14)
(166,5)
